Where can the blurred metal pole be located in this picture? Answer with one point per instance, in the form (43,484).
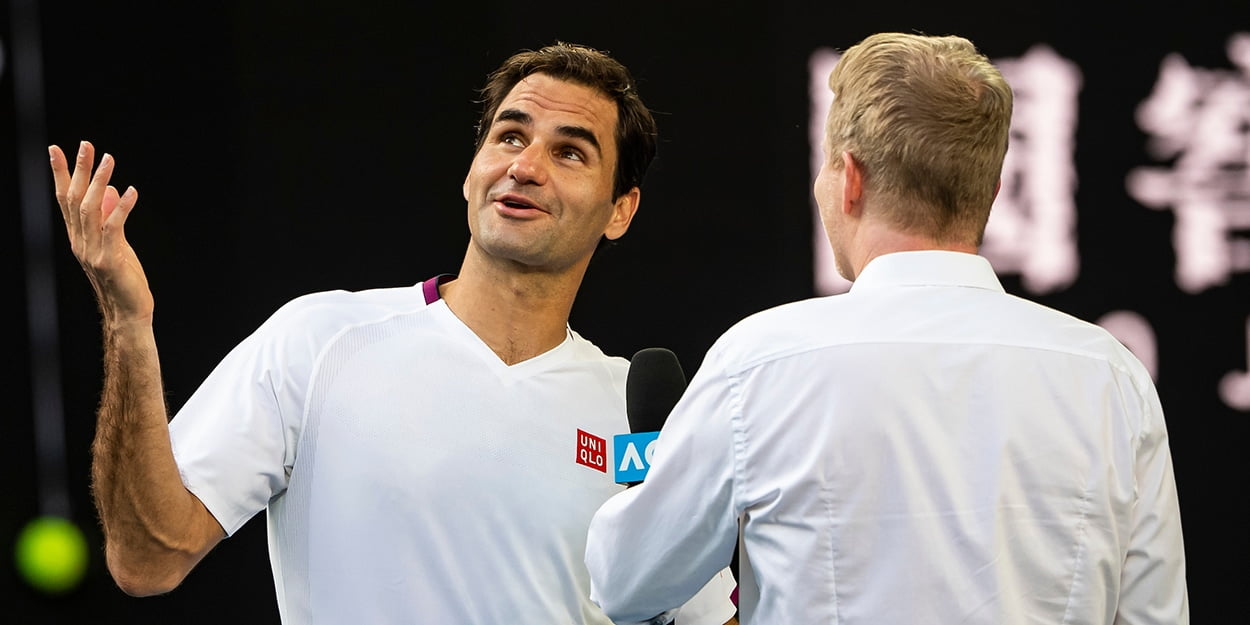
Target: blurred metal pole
(35,194)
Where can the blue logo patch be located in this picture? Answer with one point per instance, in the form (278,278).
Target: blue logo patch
(632,455)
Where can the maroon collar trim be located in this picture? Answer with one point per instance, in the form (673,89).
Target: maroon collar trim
(430,287)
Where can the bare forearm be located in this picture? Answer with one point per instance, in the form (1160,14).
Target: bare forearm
(154,528)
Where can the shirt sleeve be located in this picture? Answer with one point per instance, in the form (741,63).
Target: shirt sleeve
(652,547)
(713,604)
(234,439)
(1152,583)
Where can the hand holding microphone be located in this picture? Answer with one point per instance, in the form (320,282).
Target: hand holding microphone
(653,386)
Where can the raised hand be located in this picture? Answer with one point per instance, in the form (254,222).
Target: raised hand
(95,217)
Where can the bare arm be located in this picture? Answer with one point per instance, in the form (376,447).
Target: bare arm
(155,530)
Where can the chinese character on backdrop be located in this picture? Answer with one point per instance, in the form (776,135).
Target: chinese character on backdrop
(1198,121)
(1032,227)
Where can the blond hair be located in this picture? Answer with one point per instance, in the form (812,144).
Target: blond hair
(927,119)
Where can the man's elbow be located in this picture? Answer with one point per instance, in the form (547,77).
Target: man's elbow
(610,609)
(623,612)
(139,585)
(144,577)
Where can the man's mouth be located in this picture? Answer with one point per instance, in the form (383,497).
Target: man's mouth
(516,202)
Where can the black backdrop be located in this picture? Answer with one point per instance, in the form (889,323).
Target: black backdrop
(282,148)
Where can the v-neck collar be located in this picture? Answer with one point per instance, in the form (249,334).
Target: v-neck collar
(513,372)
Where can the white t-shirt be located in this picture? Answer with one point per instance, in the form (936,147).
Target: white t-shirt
(925,449)
(410,476)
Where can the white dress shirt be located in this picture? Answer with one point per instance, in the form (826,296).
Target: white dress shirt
(923,449)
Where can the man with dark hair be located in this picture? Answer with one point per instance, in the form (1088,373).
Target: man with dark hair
(926,448)
(414,447)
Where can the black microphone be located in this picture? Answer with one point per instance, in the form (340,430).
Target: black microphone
(653,385)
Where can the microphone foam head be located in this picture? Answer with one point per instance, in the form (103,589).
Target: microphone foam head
(653,385)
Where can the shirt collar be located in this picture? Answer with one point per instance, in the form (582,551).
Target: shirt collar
(927,268)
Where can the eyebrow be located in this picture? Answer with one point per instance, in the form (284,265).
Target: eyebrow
(572,132)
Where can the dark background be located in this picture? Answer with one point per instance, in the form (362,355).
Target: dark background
(282,148)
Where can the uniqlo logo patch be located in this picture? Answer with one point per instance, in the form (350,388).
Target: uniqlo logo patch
(592,451)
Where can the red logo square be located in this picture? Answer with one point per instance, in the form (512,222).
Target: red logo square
(592,451)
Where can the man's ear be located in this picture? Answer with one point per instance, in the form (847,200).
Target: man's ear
(464,189)
(852,184)
(623,210)
(997,186)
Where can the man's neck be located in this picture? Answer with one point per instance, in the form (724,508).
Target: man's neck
(518,314)
(876,240)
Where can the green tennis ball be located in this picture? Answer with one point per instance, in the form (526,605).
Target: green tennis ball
(51,554)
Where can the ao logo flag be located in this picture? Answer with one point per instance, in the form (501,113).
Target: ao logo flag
(632,455)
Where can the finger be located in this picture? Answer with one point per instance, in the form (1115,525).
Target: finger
(60,168)
(116,220)
(60,177)
(79,181)
(89,209)
(109,202)
(125,204)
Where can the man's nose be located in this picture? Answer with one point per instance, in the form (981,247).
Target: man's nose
(529,166)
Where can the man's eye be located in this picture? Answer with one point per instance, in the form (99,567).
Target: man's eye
(511,139)
(571,154)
